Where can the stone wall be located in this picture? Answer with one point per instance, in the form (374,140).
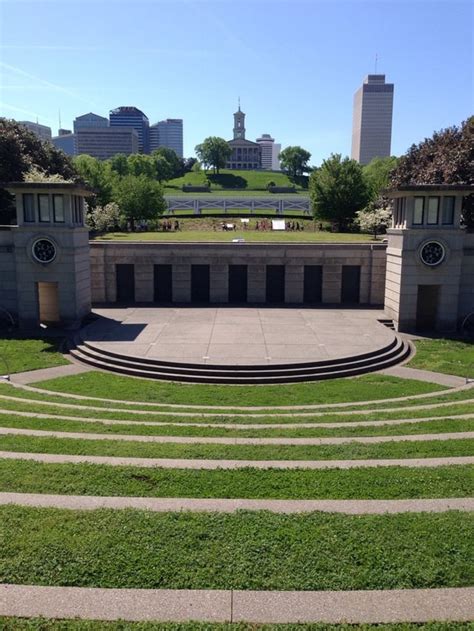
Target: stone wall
(370,257)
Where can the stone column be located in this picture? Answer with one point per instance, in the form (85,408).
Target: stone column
(219,283)
(181,283)
(143,282)
(332,278)
(294,283)
(256,283)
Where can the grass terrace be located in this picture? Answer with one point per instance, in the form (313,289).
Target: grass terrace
(234,182)
(253,549)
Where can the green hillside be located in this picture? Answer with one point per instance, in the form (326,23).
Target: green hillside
(229,179)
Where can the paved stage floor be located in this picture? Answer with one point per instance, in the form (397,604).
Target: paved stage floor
(238,335)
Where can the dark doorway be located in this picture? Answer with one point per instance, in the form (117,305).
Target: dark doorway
(200,283)
(350,285)
(125,283)
(427,307)
(237,283)
(313,284)
(163,284)
(275,290)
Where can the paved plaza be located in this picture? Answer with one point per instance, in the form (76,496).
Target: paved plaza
(238,336)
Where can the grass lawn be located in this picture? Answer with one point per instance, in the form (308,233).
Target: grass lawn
(452,357)
(160,429)
(42,624)
(247,550)
(24,476)
(248,235)
(122,388)
(237,180)
(18,354)
(135,449)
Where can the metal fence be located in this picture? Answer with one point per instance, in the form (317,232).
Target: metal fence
(233,204)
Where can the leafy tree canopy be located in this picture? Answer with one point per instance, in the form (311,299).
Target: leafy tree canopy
(445,158)
(338,190)
(139,198)
(214,152)
(374,218)
(176,164)
(294,160)
(377,174)
(98,175)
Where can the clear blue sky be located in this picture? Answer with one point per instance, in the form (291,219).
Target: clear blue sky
(295,64)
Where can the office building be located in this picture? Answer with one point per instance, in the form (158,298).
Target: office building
(129,116)
(42,131)
(245,153)
(65,142)
(90,121)
(105,142)
(270,152)
(167,133)
(372,119)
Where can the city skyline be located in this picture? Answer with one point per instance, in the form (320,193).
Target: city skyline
(304,98)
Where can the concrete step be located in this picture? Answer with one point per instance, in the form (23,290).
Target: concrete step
(244,375)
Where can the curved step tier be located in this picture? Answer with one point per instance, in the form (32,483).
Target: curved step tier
(395,352)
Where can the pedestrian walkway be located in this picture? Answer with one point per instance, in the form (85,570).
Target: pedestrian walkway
(165,504)
(357,606)
(32,376)
(405,372)
(218,440)
(189,463)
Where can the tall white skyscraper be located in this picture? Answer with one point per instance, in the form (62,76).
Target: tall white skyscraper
(372,119)
(270,152)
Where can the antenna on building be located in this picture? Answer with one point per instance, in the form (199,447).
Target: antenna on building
(376,60)
(59,117)
(239,103)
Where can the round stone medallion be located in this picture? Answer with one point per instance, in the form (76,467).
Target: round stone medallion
(43,250)
(432,253)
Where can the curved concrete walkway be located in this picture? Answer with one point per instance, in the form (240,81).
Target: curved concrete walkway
(357,606)
(167,504)
(270,409)
(217,440)
(238,426)
(189,463)
(220,415)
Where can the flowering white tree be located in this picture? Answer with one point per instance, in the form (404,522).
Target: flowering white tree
(105,218)
(374,219)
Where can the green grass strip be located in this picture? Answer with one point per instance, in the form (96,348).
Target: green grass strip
(425,427)
(42,624)
(452,357)
(365,388)
(18,354)
(134,449)
(248,550)
(23,476)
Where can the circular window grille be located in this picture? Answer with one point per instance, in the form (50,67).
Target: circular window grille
(432,253)
(43,250)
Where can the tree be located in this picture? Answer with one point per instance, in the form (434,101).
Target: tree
(21,150)
(98,175)
(105,218)
(377,174)
(445,158)
(162,169)
(294,160)
(140,164)
(139,198)
(374,218)
(119,164)
(175,162)
(338,190)
(214,152)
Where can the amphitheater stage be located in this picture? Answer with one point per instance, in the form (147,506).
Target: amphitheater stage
(234,341)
